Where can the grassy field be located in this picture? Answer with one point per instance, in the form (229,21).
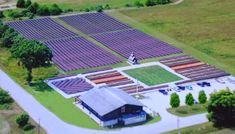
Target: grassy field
(184,111)
(82,4)
(152,75)
(205,128)
(199,27)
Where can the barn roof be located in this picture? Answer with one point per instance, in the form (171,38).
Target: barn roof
(105,100)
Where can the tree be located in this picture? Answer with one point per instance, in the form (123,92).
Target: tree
(20,4)
(55,10)
(22,119)
(221,108)
(189,100)
(5,97)
(43,11)
(175,100)
(8,37)
(202,97)
(138,4)
(31,54)
(28,3)
(3,28)
(33,8)
(1,14)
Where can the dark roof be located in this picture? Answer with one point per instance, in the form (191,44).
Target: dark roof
(105,100)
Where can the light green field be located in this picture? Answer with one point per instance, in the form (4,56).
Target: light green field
(152,75)
(204,28)
(82,4)
(205,128)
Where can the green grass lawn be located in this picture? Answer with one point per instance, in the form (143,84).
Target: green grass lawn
(203,28)
(152,75)
(82,4)
(184,111)
(205,128)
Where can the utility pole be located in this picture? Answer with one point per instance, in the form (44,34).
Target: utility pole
(178,125)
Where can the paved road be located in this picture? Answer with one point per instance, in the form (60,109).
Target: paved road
(53,125)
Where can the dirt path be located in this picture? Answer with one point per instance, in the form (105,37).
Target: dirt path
(4,126)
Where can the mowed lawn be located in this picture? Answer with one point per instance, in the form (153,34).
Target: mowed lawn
(82,4)
(204,25)
(152,75)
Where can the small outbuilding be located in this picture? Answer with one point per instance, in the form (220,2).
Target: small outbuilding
(112,106)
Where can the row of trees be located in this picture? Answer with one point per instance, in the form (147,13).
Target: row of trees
(35,8)
(29,53)
(189,100)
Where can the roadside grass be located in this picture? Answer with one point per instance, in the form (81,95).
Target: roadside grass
(8,115)
(184,111)
(77,5)
(201,28)
(205,128)
(152,75)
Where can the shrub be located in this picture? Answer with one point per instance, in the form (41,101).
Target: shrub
(202,97)
(22,119)
(33,8)
(43,11)
(55,10)
(1,14)
(182,110)
(68,10)
(99,8)
(20,4)
(28,3)
(189,100)
(15,14)
(107,7)
(8,38)
(28,127)
(175,100)
(5,98)
(150,3)
(128,5)
(221,108)
(138,4)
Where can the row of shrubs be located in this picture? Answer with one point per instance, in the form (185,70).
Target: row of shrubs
(148,3)
(189,100)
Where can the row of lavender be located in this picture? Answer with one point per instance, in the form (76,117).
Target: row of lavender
(120,37)
(79,53)
(192,68)
(41,29)
(70,52)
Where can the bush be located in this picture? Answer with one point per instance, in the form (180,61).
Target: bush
(107,7)
(28,3)
(221,108)
(189,100)
(99,8)
(1,14)
(8,38)
(175,100)
(68,10)
(139,4)
(15,14)
(28,127)
(33,8)
(20,4)
(22,119)
(150,3)
(182,110)
(128,5)
(5,98)
(55,10)
(202,97)
(43,11)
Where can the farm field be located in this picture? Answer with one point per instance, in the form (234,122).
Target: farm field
(152,75)
(205,29)
(82,4)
